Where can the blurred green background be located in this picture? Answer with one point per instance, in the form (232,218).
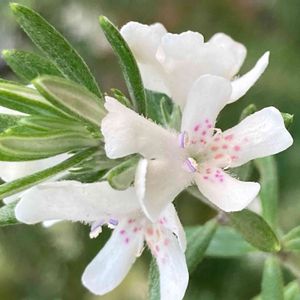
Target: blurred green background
(41,264)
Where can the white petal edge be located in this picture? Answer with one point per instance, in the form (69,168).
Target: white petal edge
(157,183)
(228,195)
(173,271)
(111,265)
(174,225)
(260,134)
(207,97)
(125,132)
(241,85)
(238,50)
(74,201)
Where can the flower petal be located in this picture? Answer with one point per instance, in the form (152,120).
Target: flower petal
(144,41)
(206,99)
(125,132)
(170,220)
(75,201)
(238,50)
(107,270)
(241,85)
(157,183)
(172,266)
(13,170)
(261,134)
(224,191)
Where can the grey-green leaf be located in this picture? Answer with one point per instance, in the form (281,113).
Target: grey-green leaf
(71,98)
(122,176)
(269,188)
(55,47)
(154,286)
(7,121)
(272,282)
(7,215)
(292,291)
(26,100)
(128,64)
(198,242)
(291,241)
(29,65)
(21,144)
(16,186)
(255,230)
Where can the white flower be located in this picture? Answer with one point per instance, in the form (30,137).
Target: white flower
(98,204)
(170,63)
(199,154)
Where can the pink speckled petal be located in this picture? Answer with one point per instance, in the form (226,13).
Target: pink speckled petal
(224,191)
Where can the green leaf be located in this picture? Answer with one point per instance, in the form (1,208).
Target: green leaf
(128,64)
(154,286)
(247,111)
(7,121)
(26,100)
(255,230)
(122,176)
(288,119)
(269,188)
(291,241)
(55,47)
(197,243)
(228,243)
(7,215)
(292,291)
(71,98)
(21,144)
(121,97)
(52,123)
(19,185)
(29,65)
(159,107)
(272,282)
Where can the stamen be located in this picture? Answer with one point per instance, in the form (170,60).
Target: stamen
(112,223)
(191,165)
(96,228)
(183,139)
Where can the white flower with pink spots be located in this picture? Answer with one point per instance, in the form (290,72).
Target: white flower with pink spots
(98,204)
(199,154)
(171,63)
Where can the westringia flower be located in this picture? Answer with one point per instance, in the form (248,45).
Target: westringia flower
(198,154)
(171,63)
(98,204)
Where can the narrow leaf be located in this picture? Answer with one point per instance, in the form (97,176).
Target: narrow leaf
(128,64)
(198,242)
(228,243)
(7,215)
(16,186)
(20,144)
(55,47)
(71,98)
(288,119)
(269,188)
(122,176)
(292,291)
(291,241)
(247,111)
(154,286)
(7,121)
(255,230)
(272,282)
(29,65)
(26,100)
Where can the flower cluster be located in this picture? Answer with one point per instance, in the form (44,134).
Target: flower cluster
(201,78)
